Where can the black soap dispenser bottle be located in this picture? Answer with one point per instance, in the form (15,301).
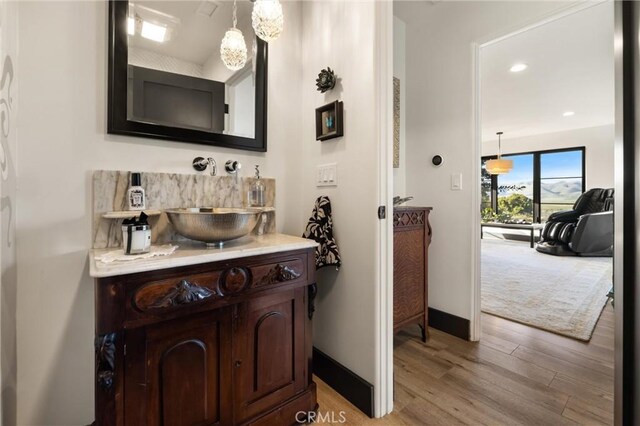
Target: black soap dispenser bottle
(135,195)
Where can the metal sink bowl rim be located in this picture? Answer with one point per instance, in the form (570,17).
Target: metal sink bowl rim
(213,225)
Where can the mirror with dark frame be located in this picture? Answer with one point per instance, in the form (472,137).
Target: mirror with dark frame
(167,79)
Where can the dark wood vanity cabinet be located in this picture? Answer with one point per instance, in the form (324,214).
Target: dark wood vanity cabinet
(226,343)
(269,354)
(411,239)
(174,372)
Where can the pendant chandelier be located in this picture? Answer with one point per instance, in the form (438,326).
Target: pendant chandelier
(233,49)
(267,19)
(499,166)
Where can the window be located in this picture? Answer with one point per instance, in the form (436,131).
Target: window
(541,183)
(515,191)
(561,181)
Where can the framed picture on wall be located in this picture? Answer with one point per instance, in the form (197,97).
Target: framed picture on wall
(329,121)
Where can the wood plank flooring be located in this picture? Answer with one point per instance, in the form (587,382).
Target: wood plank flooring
(515,375)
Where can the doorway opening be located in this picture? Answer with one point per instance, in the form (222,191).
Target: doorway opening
(544,267)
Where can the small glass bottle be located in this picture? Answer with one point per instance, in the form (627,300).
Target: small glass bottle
(256,191)
(135,194)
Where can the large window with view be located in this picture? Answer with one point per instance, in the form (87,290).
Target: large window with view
(539,184)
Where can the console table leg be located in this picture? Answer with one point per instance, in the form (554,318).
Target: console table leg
(532,237)
(423,329)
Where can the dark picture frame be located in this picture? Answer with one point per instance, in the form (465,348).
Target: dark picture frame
(118,122)
(329,121)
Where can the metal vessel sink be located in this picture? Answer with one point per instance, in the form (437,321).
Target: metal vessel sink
(213,226)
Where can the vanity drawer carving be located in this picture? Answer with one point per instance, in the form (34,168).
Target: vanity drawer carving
(193,292)
(173,293)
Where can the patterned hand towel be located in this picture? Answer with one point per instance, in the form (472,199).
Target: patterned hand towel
(320,229)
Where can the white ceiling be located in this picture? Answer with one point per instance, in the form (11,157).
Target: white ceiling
(196,37)
(570,68)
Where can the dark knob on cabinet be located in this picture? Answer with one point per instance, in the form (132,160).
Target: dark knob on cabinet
(235,279)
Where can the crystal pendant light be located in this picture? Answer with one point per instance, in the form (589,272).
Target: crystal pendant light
(267,19)
(233,49)
(499,166)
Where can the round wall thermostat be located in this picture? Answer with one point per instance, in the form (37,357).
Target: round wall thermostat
(437,160)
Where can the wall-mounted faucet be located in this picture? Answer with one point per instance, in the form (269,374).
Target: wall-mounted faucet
(232,167)
(201,164)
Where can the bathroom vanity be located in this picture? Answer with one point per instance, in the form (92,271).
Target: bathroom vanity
(206,336)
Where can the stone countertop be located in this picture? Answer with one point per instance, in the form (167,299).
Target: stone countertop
(193,253)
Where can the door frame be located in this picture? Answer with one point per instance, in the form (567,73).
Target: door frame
(383,69)
(626,213)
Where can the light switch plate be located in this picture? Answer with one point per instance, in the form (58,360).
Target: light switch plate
(456,181)
(327,175)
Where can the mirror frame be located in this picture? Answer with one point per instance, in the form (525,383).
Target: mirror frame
(117,122)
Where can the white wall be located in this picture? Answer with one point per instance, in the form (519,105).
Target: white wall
(440,121)
(342,35)
(62,139)
(9,96)
(399,71)
(598,143)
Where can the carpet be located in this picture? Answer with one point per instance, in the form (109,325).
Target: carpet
(564,295)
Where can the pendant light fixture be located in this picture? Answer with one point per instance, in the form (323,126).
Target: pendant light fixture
(267,19)
(233,49)
(499,166)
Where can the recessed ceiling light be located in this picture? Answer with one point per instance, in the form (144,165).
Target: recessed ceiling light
(153,32)
(568,114)
(518,67)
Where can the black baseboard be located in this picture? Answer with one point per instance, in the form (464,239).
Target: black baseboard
(354,388)
(450,324)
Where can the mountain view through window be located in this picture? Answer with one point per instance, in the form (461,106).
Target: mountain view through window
(514,197)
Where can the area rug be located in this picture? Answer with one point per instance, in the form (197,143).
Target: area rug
(561,294)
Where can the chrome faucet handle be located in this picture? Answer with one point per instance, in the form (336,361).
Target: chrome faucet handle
(214,166)
(232,166)
(201,164)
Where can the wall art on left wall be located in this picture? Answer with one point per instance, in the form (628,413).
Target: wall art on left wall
(329,123)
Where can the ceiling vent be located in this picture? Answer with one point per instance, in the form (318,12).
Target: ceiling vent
(207,8)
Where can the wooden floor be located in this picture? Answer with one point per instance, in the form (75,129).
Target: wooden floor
(515,375)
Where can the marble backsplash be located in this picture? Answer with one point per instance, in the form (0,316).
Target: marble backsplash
(169,190)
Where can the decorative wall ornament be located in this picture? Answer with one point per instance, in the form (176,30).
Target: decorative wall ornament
(278,274)
(326,80)
(329,121)
(183,293)
(396,123)
(105,347)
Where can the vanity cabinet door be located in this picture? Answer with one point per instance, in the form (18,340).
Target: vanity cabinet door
(269,352)
(178,372)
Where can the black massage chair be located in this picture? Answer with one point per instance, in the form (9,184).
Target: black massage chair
(586,230)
